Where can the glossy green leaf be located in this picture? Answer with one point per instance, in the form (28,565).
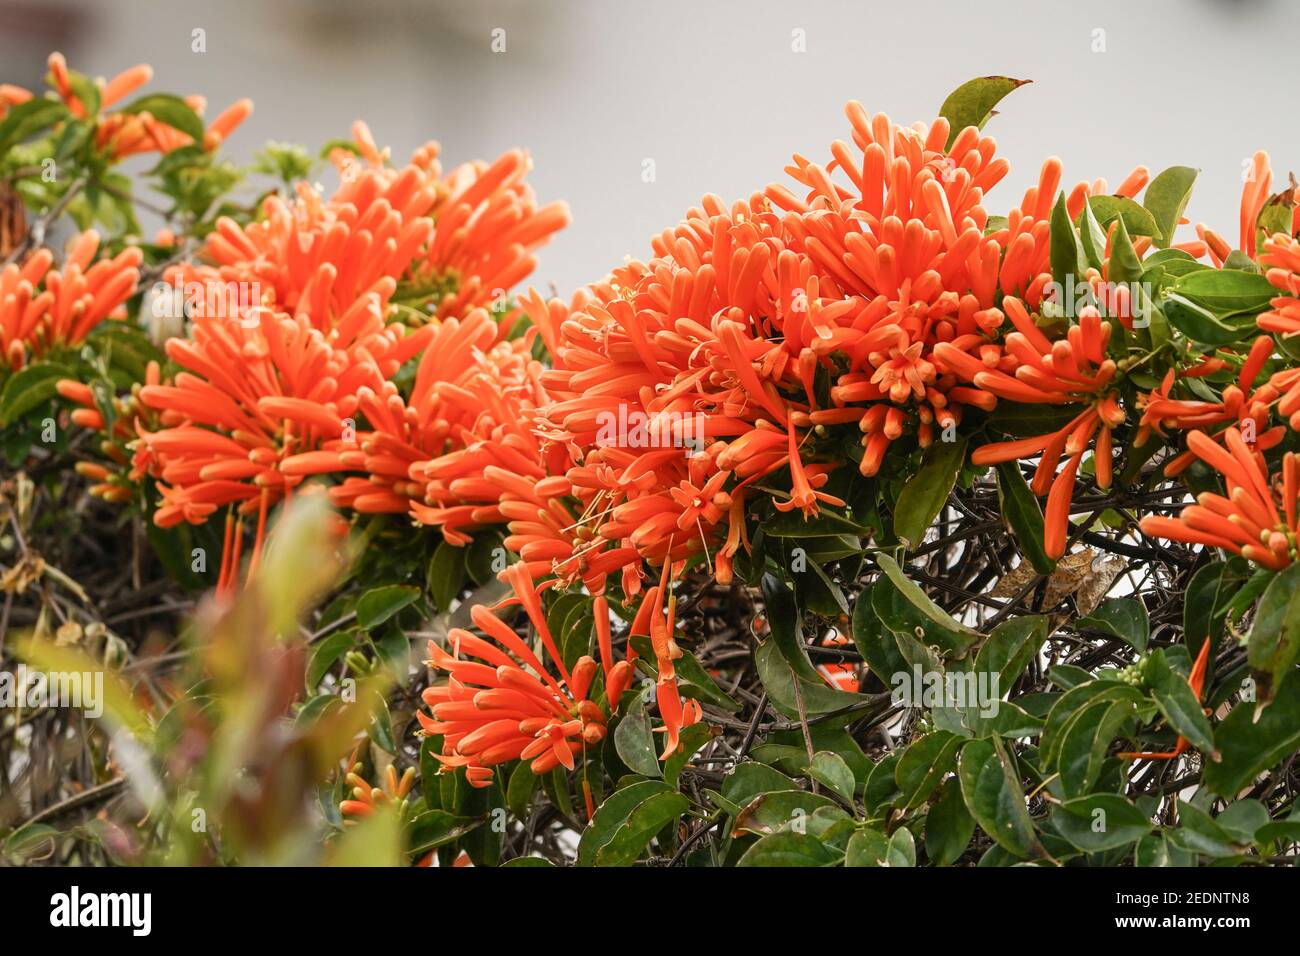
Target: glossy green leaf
(1178,702)
(924,764)
(1023,515)
(1200,324)
(1124,618)
(646,819)
(1135,220)
(169,109)
(830,769)
(926,492)
(867,847)
(611,815)
(634,741)
(1100,821)
(789,849)
(995,798)
(1274,644)
(446,575)
(29,388)
(972,103)
(948,826)
(1248,746)
(1067,258)
(379,604)
(1166,199)
(1226,291)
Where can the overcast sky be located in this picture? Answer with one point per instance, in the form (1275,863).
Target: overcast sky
(713,92)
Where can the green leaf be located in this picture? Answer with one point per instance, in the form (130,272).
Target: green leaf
(169,109)
(437,827)
(26,119)
(1274,643)
(830,769)
(1155,849)
(27,839)
(924,764)
(1020,420)
(995,798)
(1125,618)
(325,654)
(1068,261)
(1010,647)
(1092,237)
(1068,704)
(881,788)
(1178,703)
(1124,264)
(520,789)
(446,575)
(1242,819)
(1023,515)
(29,388)
(1206,598)
(873,640)
(646,819)
(971,104)
(611,815)
(778,679)
(787,629)
(902,849)
(1100,821)
(694,682)
(1226,291)
(1085,740)
(867,847)
(926,492)
(789,849)
(959,634)
(780,810)
(1166,199)
(1135,220)
(1201,833)
(948,826)
(634,742)
(751,778)
(1200,324)
(379,604)
(1248,746)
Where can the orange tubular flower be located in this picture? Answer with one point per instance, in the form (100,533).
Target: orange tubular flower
(1256,519)
(127,461)
(1072,370)
(118,135)
(663,628)
(365,798)
(446,454)
(1242,404)
(501,703)
(1281,258)
(254,394)
(319,258)
(42,308)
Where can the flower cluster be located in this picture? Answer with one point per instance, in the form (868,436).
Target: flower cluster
(43,308)
(831,328)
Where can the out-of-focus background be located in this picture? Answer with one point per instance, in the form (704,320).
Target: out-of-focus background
(717,93)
